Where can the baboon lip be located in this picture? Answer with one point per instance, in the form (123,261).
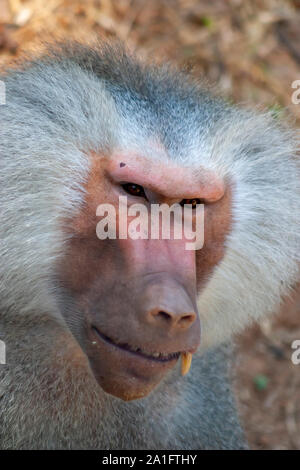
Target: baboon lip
(157,356)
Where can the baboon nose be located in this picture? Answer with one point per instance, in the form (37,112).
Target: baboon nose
(169,306)
(174,317)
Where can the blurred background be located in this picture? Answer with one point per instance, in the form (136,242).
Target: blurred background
(251,51)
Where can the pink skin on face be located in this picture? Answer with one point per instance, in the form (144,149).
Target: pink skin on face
(170,181)
(141,293)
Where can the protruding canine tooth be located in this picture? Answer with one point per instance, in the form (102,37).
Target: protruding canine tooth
(186,361)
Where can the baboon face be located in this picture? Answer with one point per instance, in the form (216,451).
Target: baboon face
(136,298)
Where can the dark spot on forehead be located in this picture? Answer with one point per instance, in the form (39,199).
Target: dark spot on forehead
(122,164)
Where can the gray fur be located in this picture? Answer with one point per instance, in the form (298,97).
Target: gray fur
(58,108)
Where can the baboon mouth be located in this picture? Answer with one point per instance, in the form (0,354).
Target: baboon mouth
(154,356)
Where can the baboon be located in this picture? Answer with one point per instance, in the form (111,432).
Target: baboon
(94,328)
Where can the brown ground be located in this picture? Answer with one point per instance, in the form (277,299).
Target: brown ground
(268,384)
(251,50)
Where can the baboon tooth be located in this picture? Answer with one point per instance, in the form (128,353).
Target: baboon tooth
(186,361)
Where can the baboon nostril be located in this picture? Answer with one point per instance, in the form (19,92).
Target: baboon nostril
(188,318)
(165,315)
(183,320)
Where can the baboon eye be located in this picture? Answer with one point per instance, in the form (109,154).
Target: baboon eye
(134,189)
(192,202)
